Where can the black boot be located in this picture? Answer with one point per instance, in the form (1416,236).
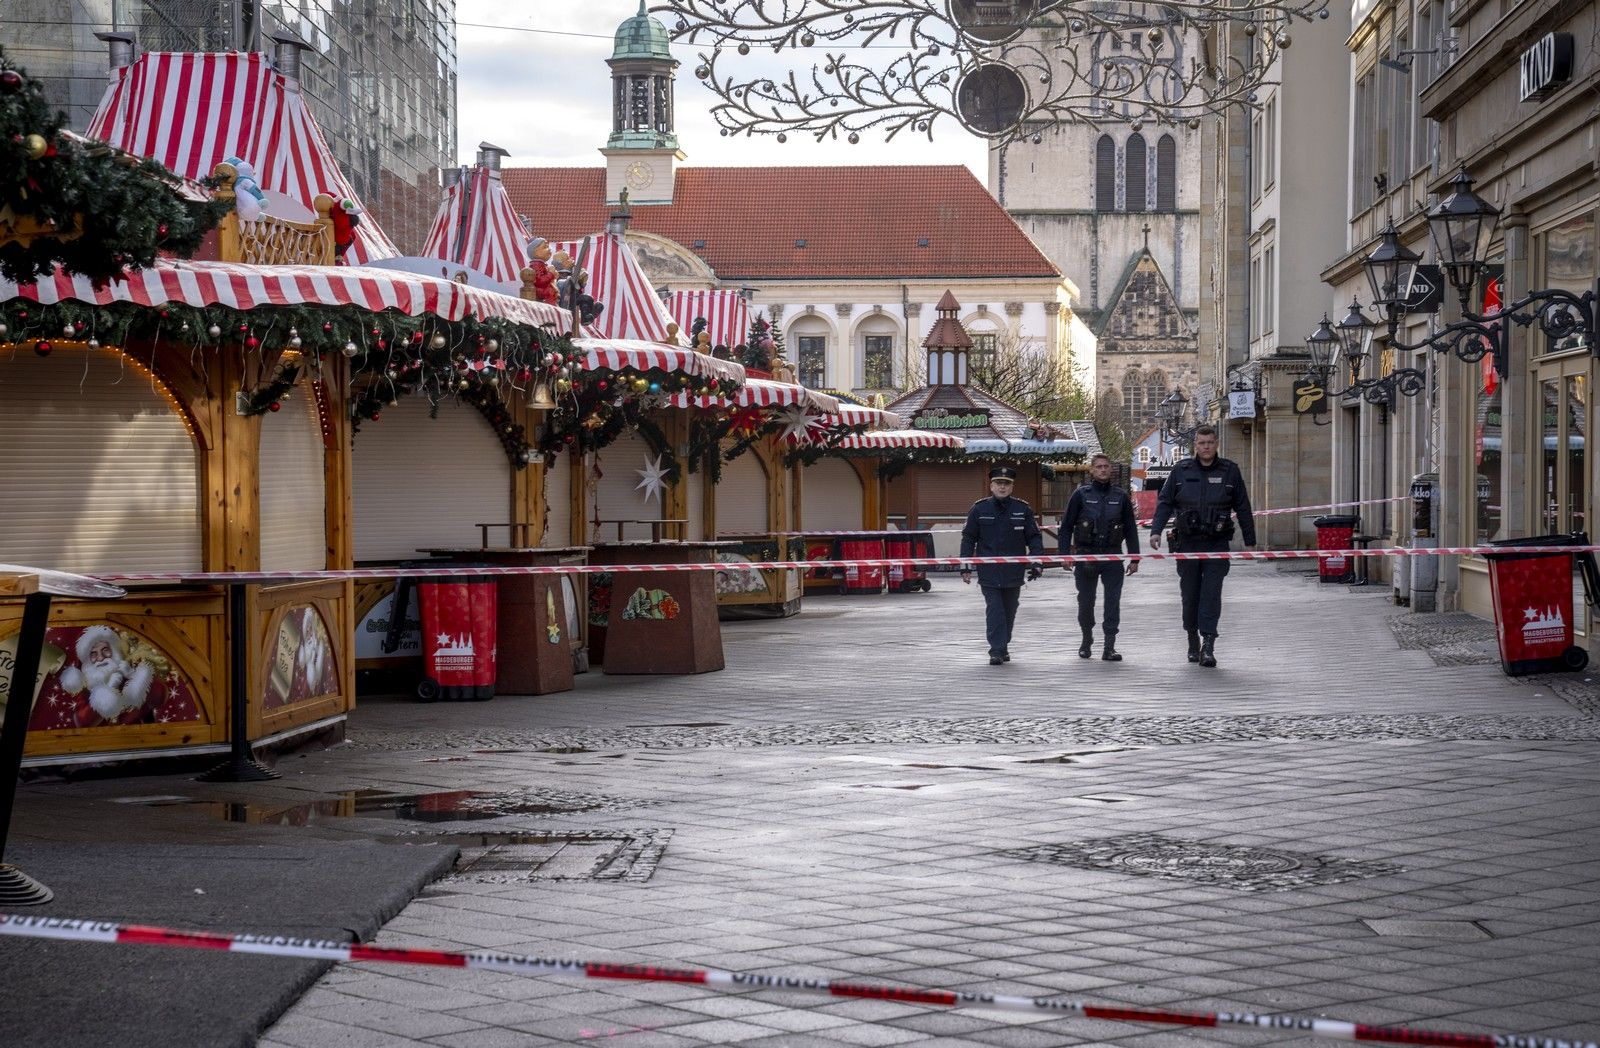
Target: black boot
(1194,646)
(1086,649)
(1207,656)
(1110,653)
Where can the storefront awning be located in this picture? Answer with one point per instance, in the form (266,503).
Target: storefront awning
(991,446)
(764,393)
(240,286)
(615,354)
(894,439)
(727,314)
(856,415)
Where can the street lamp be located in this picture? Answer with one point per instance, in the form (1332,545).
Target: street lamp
(1462,226)
(1172,411)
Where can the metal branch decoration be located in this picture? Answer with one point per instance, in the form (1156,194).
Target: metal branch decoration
(1000,68)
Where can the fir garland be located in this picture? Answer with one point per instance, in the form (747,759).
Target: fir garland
(98,211)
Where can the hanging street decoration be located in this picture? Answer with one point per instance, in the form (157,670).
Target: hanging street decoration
(652,480)
(82,205)
(997,67)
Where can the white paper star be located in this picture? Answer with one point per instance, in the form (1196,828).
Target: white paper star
(652,479)
(796,423)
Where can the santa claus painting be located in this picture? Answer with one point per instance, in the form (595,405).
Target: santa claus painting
(104,675)
(115,685)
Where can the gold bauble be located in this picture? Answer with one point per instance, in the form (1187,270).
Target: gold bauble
(36,146)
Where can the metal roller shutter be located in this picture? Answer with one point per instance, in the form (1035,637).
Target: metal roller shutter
(742,497)
(695,504)
(558,496)
(427,482)
(294,533)
(101,474)
(832,496)
(618,495)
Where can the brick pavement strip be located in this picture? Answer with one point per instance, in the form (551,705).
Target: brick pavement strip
(1464,797)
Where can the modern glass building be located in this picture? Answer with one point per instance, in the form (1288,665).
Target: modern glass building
(380,76)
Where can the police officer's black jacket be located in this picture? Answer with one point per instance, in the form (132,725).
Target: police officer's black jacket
(1099,519)
(1000,528)
(1200,498)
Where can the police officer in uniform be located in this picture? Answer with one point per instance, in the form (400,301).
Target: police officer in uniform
(1203,497)
(1099,519)
(1000,526)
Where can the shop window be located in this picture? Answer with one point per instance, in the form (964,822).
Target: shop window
(813,361)
(1567,256)
(878,362)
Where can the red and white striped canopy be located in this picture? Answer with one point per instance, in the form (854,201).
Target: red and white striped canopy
(632,309)
(248,287)
(193,111)
(857,415)
(616,354)
(477,226)
(763,393)
(892,439)
(727,314)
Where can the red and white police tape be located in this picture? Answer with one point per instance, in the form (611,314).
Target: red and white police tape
(522,964)
(1043,560)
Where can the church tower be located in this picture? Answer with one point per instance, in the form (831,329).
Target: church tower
(1116,205)
(642,152)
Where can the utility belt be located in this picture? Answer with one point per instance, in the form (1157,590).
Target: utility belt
(1203,524)
(1096,537)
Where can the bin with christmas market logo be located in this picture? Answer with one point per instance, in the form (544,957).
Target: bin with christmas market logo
(459,624)
(1533,602)
(861,579)
(908,545)
(1336,531)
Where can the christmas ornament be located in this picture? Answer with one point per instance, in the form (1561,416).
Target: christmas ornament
(349,349)
(67,331)
(274,406)
(35,146)
(214,331)
(3,330)
(94,343)
(438,342)
(42,348)
(10,81)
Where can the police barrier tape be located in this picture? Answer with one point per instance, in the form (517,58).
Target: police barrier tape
(1041,560)
(522,964)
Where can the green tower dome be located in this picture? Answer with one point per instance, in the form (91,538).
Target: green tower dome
(642,37)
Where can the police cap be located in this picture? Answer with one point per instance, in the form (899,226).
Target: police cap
(1003,473)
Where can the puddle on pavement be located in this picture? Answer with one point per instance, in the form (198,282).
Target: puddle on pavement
(686,724)
(950,767)
(449,806)
(1072,758)
(883,786)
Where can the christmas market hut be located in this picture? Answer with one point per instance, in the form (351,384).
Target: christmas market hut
(939,488)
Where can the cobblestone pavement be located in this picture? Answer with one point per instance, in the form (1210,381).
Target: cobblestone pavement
(1329,824)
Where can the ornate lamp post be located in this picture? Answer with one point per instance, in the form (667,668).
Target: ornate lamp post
(1462,226)
(1172,412)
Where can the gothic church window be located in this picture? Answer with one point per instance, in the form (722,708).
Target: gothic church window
(1105,174)
(1141,394)
(1166,174)
(1138,185)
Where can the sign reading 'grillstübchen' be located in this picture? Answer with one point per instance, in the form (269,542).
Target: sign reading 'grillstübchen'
(942,420)
(1546,66)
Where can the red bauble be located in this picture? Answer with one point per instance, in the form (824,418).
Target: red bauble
(374,416)
(274,406)
(327,328)
(252,342)
(42,348)
(10,81)
(601,385)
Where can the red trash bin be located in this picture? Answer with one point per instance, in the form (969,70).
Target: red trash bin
(859,580)
(1533,605)
(458,637)
(911,545)
(1336,531)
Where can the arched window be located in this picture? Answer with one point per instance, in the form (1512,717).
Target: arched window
(1141,395)
(1166,174)
(1105,174)
(1136,178)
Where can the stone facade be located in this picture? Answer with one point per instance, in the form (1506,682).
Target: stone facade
(1147,347)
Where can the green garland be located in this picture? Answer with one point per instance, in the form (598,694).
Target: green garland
(105,210)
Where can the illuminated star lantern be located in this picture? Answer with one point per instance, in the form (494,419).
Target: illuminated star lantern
(797,423)
(652,479)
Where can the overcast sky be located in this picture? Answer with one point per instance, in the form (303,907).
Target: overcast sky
(533,80)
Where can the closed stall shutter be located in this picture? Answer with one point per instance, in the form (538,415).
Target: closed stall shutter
(558,496)
(618,495)
(832,498)
(742,497)
(949,491)
(293,513)
(694,504)
(100,473)
(423,482)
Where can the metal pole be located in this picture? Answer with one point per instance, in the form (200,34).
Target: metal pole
(240,765)
(16,887)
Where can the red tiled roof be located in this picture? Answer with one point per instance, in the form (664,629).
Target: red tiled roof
(855,221)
